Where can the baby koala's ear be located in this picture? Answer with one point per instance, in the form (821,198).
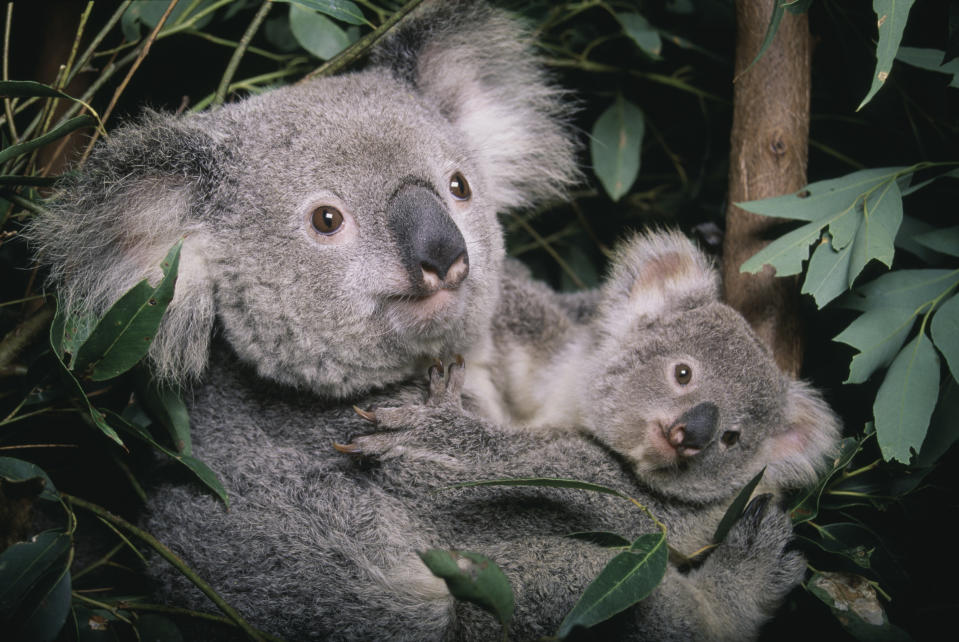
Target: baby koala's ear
(658,273)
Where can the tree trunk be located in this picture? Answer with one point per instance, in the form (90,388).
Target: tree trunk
(767,158)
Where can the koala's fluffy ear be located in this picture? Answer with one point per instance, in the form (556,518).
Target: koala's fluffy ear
(657,273)
(798,455)
(110,225)
(475,64)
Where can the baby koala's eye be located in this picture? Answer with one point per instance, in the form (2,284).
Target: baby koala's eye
(683,374)
(326,220)
(730,437)
(459,188)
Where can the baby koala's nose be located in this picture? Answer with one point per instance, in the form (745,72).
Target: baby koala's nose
(694,429)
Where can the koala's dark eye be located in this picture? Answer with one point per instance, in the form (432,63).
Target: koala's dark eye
(326,220)
(459,188)
(683,374)
(730,437)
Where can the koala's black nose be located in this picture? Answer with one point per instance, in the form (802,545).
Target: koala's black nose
(694,429)
(431,246)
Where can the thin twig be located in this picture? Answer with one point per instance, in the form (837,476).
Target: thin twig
(239,51)
(171,557)
(85,58)
(7,104)
(352,53)
(144,50)
(23,335)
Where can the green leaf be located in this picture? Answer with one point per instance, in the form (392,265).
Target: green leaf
(774,19)
(474,578)
(30,581)
(156,627)
(342,10)
(316,33)
(945,333)
(787,253)
(827,274)
(848,540)
(807,508)
(625,580)
(643,34)
(615,146)
(543,482)
(911,289)
(824,200)
(735,510)
(892,16)
(17,470)
(67,333)
(123,336)
(862,209)
(30,89)
(59,132)
(166,407)
(149,12)
(944,241)
(906,399)
(49,613)
(601,538)
(878,335)
(855,603)
(943,427)
(931,60)
(197,467)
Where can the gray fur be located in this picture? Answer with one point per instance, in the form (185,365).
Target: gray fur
(239,183)
(321,545)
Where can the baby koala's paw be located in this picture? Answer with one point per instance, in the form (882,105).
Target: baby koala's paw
(407,428)
(758,544)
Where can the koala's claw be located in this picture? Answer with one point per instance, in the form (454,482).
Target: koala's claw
(347,449)
(369,415)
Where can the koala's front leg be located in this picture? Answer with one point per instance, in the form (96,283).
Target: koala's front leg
(438,431)
(738,587)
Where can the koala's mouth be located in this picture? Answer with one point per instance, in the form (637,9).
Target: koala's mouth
(415,310)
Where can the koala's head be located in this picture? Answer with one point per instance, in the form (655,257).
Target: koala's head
(342,231)
(683,389)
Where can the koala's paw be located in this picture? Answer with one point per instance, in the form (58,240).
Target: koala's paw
(756,550)
(405,426)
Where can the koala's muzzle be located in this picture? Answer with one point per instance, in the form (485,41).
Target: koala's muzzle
(694,429)
(430,244)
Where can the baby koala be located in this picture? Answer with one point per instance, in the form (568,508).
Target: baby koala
(661,372)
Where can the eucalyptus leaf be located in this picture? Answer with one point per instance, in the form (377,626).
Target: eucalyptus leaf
(945,333)
(878,335)
(735,510)
(48,613)
(342,10)
(892,16)
(30,573)
(787,253)
(166,407)
(807,507)
(18,470)
(906,399)
(64,129)
(628,578)
(615,145)
(943,427)
(944,241)
(645,35)
(601,538)
(474,578)
(123,336)
(316,33)
(930,60)
(855,603)
(911,289)
(197,467)
(827,273)
(848,540)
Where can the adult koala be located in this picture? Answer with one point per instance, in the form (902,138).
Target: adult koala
(339,235)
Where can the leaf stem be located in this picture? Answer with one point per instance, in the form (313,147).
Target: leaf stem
(239,51)
(172,558)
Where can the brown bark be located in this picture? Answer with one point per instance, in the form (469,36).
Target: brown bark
(767,158)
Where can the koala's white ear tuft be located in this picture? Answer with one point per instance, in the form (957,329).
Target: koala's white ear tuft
(111,223)
(808,443)
(475,64)
(658,273)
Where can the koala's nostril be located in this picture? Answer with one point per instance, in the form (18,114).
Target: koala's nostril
(698,425)
(450,277)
